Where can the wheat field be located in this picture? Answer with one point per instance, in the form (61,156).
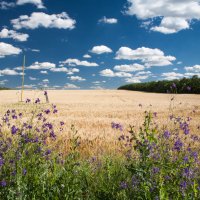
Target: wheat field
(92,112)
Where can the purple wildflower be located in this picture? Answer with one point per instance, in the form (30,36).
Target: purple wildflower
(28,100)
(173,85)
(14,116)
(194,154)
(93,159)
(1,161)
(62,123)
(121,137)
(13,173)
(117,126)
(37,101)
(55,111)
(178,145)
(167,134)
(187,172)
(185,127)
(155,114)
(37,130)
(24,171)
(3,183)
(45,93)
(29,127)
(183,185)
(155,170)
(48,152)
(52,135)
(189,88)
(47,111)
(123,185)
(186,159)
(14,130)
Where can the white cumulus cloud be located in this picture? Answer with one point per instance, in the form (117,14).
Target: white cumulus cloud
(150,57)
(97,88)
(45,81)
(9,72)
(101,49)
(129,68)
(110,73)
(4,5)
(137,78)
(76,78)
(106,20)
(40,19)
(21,37)
(66,70)
(71,86)
(40,66)
(3,82)
(194,69)
(33,78)
(37,3)
(43,72)
(172,75)
(86,56)
(8,49)
(175,15)
(76,62)
(170,25)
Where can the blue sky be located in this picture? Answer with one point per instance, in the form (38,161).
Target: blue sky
(96,44)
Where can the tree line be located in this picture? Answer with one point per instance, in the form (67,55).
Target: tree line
(182,86)
(4,88)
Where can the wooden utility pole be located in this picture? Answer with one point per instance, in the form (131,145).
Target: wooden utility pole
(23,68)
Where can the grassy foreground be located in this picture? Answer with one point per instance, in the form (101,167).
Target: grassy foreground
(184,86)
(38,161)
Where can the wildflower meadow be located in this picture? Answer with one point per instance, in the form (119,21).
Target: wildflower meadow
(39,161)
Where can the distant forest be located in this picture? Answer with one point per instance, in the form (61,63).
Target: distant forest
(182,86)
(4,88)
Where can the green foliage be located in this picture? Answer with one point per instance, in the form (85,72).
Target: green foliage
(185,85)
